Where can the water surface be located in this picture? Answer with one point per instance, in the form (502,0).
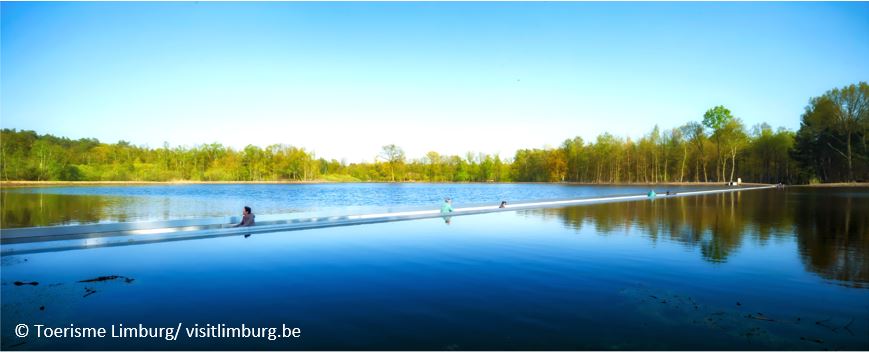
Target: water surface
(43,206)
(766,269)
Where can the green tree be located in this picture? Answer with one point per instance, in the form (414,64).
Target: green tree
(715,119)
(851,111)
(394,157)
(831,126)
(736,139)
(697,138)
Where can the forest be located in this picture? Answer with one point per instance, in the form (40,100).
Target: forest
(830,146)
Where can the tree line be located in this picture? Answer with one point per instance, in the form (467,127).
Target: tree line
(830,146)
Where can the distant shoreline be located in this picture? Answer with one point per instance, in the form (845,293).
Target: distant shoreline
(25,183)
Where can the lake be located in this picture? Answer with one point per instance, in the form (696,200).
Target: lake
(765,269)
(43,206)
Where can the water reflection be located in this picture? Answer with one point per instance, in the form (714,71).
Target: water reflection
(22,210)
(833,234)
(448,219)
(830,224)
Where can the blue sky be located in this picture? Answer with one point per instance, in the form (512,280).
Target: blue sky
(343,79)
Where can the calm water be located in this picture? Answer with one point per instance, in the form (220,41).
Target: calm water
(27,207)
(770,269)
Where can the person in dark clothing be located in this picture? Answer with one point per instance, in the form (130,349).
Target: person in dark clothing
(246,218)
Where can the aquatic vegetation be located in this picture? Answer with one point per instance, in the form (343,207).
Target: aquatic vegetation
(667,307)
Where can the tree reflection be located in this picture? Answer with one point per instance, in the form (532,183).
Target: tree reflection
(37,209)
(833,235)
(831,224)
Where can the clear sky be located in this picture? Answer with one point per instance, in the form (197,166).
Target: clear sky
(343,79)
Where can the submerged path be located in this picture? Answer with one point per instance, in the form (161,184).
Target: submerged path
(55,238)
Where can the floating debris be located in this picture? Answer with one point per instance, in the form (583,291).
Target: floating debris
(88,291)
(755,332)
(823,323)
(107,278)
(816,340)
(19,283)
(847,327)
(759,316)
(42,308)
